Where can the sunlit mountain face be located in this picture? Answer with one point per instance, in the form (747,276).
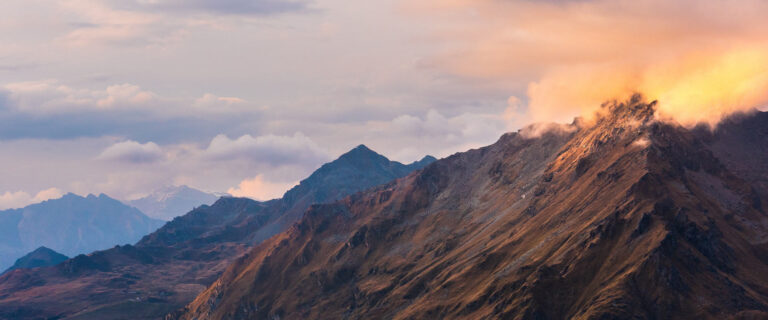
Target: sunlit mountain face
(208,159)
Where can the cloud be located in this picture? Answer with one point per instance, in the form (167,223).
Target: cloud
(260,189)
(130,124)
(101,24)
(538,129)
(128,94)
(275,162)
(52,97)
(409,137)
(230,7)
(691,88)
(180,73)
(215,104)
(12,200)
(51,193)
(50,109)
(701,59)
(19,199)
(160,22)
(642,142)
(132,152)
(49,96)
(463,127)
(268,149)
(127,168)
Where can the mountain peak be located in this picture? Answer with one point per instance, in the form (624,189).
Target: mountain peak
(636,108)
(174,189)
(361,152)
(361,164)
(427,158)
(169,202)
(362,147)
(70,195)
(40,257)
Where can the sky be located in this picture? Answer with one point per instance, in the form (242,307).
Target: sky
(249,96)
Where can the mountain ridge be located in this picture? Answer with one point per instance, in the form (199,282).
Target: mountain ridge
(71,225)
(624,217)
(166,269)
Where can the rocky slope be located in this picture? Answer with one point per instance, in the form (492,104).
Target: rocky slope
(71,225)
(168,268)
(170,202)
(41,257)
(624,218)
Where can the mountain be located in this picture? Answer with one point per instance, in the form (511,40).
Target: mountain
(360,164)
(359,169)
(173,201)
(71,225)
(624,218)
(166,269)
(41,257)
(247,221)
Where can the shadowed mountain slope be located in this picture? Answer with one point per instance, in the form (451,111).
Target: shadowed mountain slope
(624,218)
(740,142)
(41,257)
(168,268)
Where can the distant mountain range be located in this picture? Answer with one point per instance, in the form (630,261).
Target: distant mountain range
(41,257)
(173,201)
(169,267)
(71,225)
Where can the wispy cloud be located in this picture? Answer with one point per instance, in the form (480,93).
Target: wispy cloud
(132,152)
(50,109)
(99,23)
(50,96)
(229,7)
(270,149)
(160,22)
(53,97)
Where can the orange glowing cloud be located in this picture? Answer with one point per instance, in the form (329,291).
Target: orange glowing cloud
(260,189)
(691,89)
(701,60)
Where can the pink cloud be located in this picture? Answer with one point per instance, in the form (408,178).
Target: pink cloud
(260,189)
